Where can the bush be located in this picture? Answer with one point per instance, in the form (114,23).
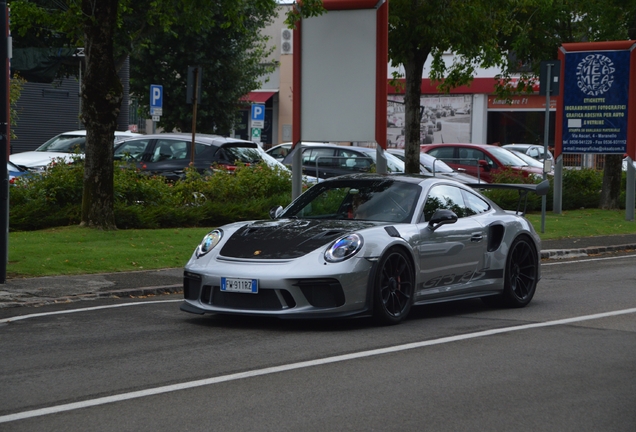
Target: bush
(581,189)
(143,201)
(508,199)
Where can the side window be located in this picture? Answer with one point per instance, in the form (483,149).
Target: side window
(132,150)
(180,150)
(444,197)
(354,160)
(443,153)
(474,204)
(169,150)
(323,156)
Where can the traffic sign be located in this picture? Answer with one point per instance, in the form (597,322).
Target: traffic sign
(256,134)
(258,116)
(156,99)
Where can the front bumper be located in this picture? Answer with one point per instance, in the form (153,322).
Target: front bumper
(287,288)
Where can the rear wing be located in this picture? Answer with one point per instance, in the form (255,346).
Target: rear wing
(540,189)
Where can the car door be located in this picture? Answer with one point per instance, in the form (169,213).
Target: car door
(452,255)
(469,160)
(135,151)
(321,162)
(352,161)
(168,156)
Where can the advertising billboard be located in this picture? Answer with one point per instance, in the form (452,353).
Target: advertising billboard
(595,99)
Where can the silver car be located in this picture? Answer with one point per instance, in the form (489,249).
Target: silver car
(368,245)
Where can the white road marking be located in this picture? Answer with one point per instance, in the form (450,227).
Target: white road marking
(69,311)
(586,260)
(300,365)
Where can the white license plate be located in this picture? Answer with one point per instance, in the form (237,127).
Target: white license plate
(239,285)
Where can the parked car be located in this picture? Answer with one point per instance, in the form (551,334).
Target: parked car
(280,151)
(534,162)
(431,165)
(480,160)
(626,161)
(331,160)
(15,171)
(168,154)
(62,146)
(535,151)
(368,245)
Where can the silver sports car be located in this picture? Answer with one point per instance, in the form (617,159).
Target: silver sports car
(368,244)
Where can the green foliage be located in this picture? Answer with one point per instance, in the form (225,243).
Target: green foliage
(141,201)
(232,57)
(581,189)
(15,89)
(508,199)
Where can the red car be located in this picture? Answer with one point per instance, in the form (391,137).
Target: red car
(479,160)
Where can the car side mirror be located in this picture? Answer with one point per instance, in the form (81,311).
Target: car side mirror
(441,217)
(484,165)
(275,212)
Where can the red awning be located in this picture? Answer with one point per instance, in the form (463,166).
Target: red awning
(258,96)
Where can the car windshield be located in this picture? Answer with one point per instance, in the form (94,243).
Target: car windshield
(528,159)
(64,144)
(432,164)
(393,163)
(365,199)
(506,157)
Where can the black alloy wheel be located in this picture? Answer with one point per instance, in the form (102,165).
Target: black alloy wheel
(394,287)
(522,271)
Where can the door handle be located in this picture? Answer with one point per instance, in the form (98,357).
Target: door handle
(476,238)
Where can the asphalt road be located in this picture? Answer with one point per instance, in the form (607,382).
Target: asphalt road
(564,363)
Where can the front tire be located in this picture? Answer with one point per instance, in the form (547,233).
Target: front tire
(393,288)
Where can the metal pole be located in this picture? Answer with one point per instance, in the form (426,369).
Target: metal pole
(5,144)
(629,190)
(546,133)
(194,111)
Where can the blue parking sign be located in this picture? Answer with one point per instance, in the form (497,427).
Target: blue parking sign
(156,99)
(258,112)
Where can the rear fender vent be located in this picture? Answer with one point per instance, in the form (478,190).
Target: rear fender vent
(495,237)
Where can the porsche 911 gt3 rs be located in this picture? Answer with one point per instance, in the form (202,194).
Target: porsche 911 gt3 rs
(368,245)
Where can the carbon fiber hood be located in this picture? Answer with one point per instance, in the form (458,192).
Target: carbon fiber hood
(287,238)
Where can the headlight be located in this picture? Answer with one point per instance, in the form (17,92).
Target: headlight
(210,240)
(344,248)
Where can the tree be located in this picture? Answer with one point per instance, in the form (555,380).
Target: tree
(111,30)
(232,62)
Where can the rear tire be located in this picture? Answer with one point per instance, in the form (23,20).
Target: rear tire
(520,276)
(393,289)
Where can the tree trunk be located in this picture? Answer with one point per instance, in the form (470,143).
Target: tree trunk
(413,70)
(612,174)
(102,94)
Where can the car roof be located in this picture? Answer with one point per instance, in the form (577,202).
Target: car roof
(199,138)
(338,146)
(472,145)
(83,133)
(398,177)
(523,146)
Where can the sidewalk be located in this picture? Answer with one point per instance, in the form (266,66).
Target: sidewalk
(62,289)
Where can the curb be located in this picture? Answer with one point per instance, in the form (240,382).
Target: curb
(130,292)
(593,250)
